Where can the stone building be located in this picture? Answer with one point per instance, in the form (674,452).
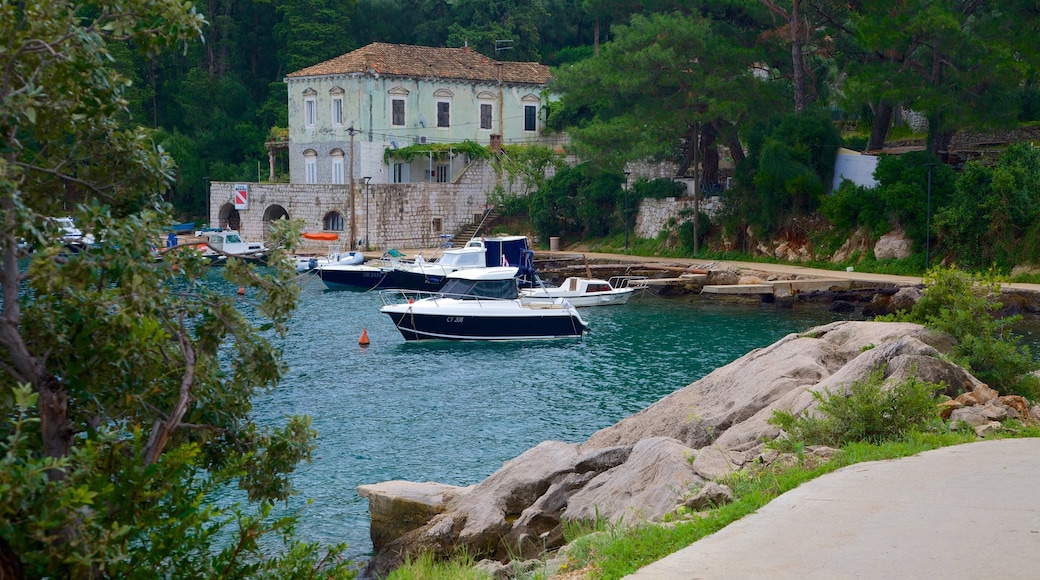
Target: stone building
(349,114)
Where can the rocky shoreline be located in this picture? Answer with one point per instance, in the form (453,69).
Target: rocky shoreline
(668,455)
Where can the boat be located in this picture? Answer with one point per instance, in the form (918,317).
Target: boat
(307,263)
(183,228)
(585,291)
(364,276)
(223,244)
(482,304)
(498,251)
(322,236)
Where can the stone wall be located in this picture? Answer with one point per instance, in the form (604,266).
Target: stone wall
(654,214)
(401,215)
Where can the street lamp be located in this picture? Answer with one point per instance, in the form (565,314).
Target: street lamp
(624,214)
(366,178)
(928,220)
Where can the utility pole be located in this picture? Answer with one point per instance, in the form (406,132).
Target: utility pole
(353,224)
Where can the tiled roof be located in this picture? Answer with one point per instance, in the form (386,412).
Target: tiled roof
(405,60)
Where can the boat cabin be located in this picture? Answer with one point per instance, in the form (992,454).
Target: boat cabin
(497,283)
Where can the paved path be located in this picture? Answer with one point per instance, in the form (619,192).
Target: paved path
(968,511)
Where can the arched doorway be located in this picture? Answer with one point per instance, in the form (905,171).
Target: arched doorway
(272,213)
(229,219)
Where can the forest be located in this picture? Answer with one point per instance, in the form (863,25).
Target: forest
(680,81)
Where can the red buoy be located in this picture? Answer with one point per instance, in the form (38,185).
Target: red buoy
(241,291)
(363,341)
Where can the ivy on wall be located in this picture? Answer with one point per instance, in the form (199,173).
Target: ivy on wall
(440,151)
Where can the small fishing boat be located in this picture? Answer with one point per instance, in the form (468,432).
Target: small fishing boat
(223,244)
(365,276)
(585,291)
(482,304)
(183,229)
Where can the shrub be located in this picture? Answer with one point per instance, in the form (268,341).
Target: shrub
(867,412)
(965,306)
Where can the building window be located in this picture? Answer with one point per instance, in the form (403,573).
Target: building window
(442,173)
(485,115)
(333,222)
(397,112)
(337,166)
(443,114)
(530,118)
(310,114)
(310,162)
(398,172)
(337,110)
(438,225)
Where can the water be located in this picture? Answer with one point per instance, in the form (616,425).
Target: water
(453,412)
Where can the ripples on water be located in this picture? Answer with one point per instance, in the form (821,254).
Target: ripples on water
(453,412)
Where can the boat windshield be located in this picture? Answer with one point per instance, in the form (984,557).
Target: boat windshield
(463,259)
(471,289)
(233,239)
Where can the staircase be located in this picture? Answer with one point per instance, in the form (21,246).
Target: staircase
(470,231)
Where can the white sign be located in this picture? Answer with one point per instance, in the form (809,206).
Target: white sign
(241,196)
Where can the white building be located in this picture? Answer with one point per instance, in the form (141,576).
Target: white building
(344,112)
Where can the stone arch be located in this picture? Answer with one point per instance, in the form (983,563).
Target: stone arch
(272,213)
(229,218)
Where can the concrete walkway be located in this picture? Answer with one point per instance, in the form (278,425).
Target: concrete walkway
(968,511)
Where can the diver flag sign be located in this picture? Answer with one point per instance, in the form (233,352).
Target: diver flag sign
(241,196)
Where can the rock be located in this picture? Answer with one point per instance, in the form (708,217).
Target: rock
(732,397)
(905,299)
(397,507)
(859,243)
(893,245)
(644,488)
(712,495)
(984,394)
(971,415)
(842,306)
(1019,404)
(821,451)
(712,463)
(947,407)
(988,428)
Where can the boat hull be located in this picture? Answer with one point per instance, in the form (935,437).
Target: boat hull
(487,322)
(354,277)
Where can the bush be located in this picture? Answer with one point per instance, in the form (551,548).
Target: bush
(964,306)
(867,412)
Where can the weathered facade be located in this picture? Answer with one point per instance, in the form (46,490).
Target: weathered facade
(412,215)
(345,112)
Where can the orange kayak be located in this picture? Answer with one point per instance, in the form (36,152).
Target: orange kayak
(328,237)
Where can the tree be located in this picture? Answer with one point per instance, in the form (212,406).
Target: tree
(125,382)
(649,89)
(956,62)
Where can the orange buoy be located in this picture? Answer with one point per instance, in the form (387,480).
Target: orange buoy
(241,291)
(409,299)
(363,341)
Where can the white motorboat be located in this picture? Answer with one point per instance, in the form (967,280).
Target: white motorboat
(223,244)
(307,263)
(585,291)
(482,304)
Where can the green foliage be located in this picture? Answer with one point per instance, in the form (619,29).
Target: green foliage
(993,210)
(440,151)
(577,202)
(868,410)
(426,567)
(789,161)
(140,373)
(965,306)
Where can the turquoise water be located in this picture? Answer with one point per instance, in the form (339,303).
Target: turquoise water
(453,412)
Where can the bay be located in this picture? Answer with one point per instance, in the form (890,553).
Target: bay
(454,412)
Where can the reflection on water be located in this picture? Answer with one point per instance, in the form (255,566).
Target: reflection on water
(453,412)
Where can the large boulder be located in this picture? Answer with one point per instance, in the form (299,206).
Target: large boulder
(647,464)
(893,245)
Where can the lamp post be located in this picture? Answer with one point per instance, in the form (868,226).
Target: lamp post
(624,214)
(366,178)
(928,220)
